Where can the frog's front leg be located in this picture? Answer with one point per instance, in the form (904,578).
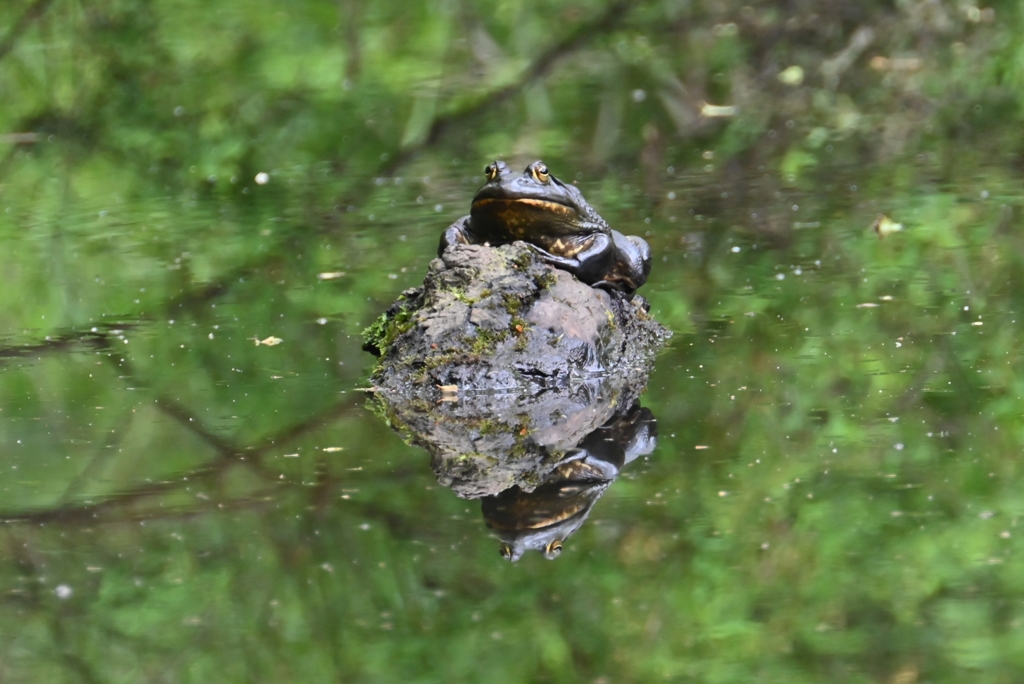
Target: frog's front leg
(632,265)
(457,234)
(587,258)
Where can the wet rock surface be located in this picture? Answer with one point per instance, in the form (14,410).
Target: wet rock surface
(500,319)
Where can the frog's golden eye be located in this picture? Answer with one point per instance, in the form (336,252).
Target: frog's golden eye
(506,551)
(491,172)
(553,549)
(540,172)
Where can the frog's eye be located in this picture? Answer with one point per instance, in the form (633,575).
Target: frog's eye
(506,549)
(553,549)
(491,172)
(540,172)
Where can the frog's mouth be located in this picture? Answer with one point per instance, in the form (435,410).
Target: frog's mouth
(501,205)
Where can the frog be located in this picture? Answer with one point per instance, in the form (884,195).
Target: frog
(557,223)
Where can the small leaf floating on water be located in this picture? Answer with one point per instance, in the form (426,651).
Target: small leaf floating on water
(448,393)
(884,226)
(792,76)
(270,341)
(710,111)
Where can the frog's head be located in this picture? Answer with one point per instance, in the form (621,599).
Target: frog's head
(531,204)
(543,519)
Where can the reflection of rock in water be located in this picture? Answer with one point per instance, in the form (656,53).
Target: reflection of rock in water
(544,518)
(533,364)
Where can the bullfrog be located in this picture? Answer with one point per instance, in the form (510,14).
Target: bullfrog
(558,224)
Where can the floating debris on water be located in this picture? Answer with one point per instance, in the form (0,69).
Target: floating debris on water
(883,225)
(331,450)
(710,111)
(793,75)
(331,275)
(270,341)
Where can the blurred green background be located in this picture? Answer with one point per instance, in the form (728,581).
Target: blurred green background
(836,489)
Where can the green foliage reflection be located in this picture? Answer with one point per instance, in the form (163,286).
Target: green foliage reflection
(175,503)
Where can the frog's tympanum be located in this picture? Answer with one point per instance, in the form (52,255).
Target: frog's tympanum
(544,518)
(555,220)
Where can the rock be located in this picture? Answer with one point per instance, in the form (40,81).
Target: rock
(501,365)
(500,319)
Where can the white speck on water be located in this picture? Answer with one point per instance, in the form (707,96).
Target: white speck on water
(736,249)
(179,111)
(262,178)
(364,526)
(780,276)
(639,95)
(984,194)
(322,321)
(211,337)
(671,195)
(63,591)
(899,446)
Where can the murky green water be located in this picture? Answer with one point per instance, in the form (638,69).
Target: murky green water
(835,491)
(835,483)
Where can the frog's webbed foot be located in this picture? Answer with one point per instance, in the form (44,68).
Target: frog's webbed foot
(457,234)
(617,286)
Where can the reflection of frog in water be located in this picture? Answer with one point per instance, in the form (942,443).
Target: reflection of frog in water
(557,222)
(544,518)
